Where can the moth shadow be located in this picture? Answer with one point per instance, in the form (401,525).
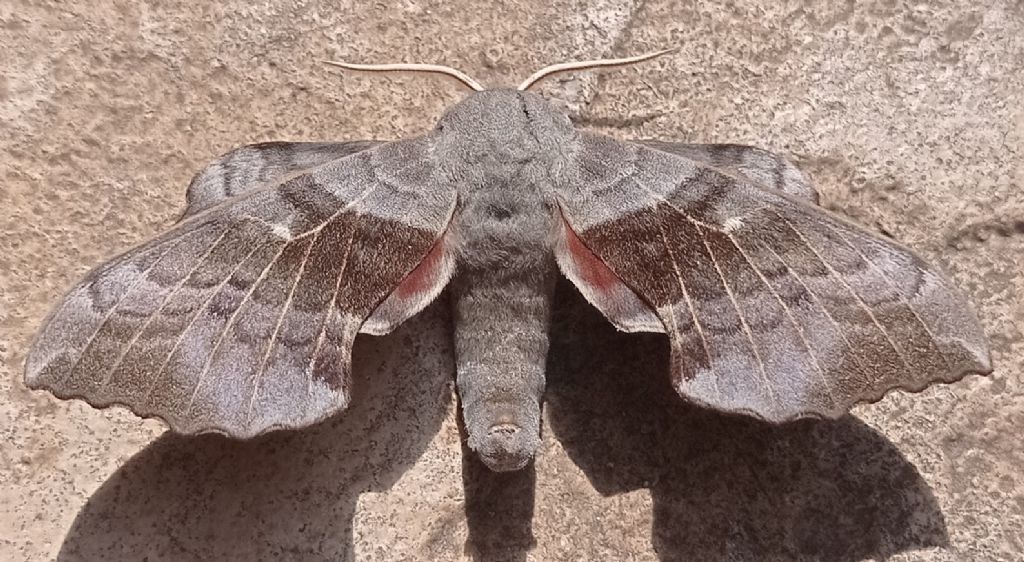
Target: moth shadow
(287,495)
(726,487)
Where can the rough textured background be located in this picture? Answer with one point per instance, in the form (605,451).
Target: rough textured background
(909,116)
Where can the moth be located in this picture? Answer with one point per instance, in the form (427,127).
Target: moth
(240,319)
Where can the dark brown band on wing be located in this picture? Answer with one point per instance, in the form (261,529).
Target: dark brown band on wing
(635,248)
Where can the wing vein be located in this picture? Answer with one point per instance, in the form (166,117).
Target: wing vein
(743,321)
(277,327)
(686,295)
(163,303)
(344,208)
(230,324)
(817,300)
(789,314)
(857,296)
(172,244)
(192,321)
(234,315)
(327,315)
(679,347)
(881,272)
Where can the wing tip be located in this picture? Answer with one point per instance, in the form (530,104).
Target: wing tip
(38,368)
(31,375)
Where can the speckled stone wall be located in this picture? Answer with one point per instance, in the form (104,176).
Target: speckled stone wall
(909,117)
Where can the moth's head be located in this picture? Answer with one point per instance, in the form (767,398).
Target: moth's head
(505,122)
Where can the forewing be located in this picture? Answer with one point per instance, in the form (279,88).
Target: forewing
(255,166)
(774,307)
(614,298)
(241,319)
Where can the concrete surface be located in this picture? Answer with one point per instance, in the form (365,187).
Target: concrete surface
(908,115)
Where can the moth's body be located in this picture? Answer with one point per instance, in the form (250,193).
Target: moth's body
(505,274)
(240,319)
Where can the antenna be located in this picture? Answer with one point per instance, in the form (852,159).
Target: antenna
(413,67)
(475,86)
(582,65)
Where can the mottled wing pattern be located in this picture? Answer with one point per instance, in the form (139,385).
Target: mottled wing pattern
(241,318)
(249,168)
(774,308)
(745,163)
(253,167)
(613,297)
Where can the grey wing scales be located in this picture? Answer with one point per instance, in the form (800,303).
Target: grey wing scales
(241,319)
(602,288)
(254,166)
(749,164)
(774,308)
